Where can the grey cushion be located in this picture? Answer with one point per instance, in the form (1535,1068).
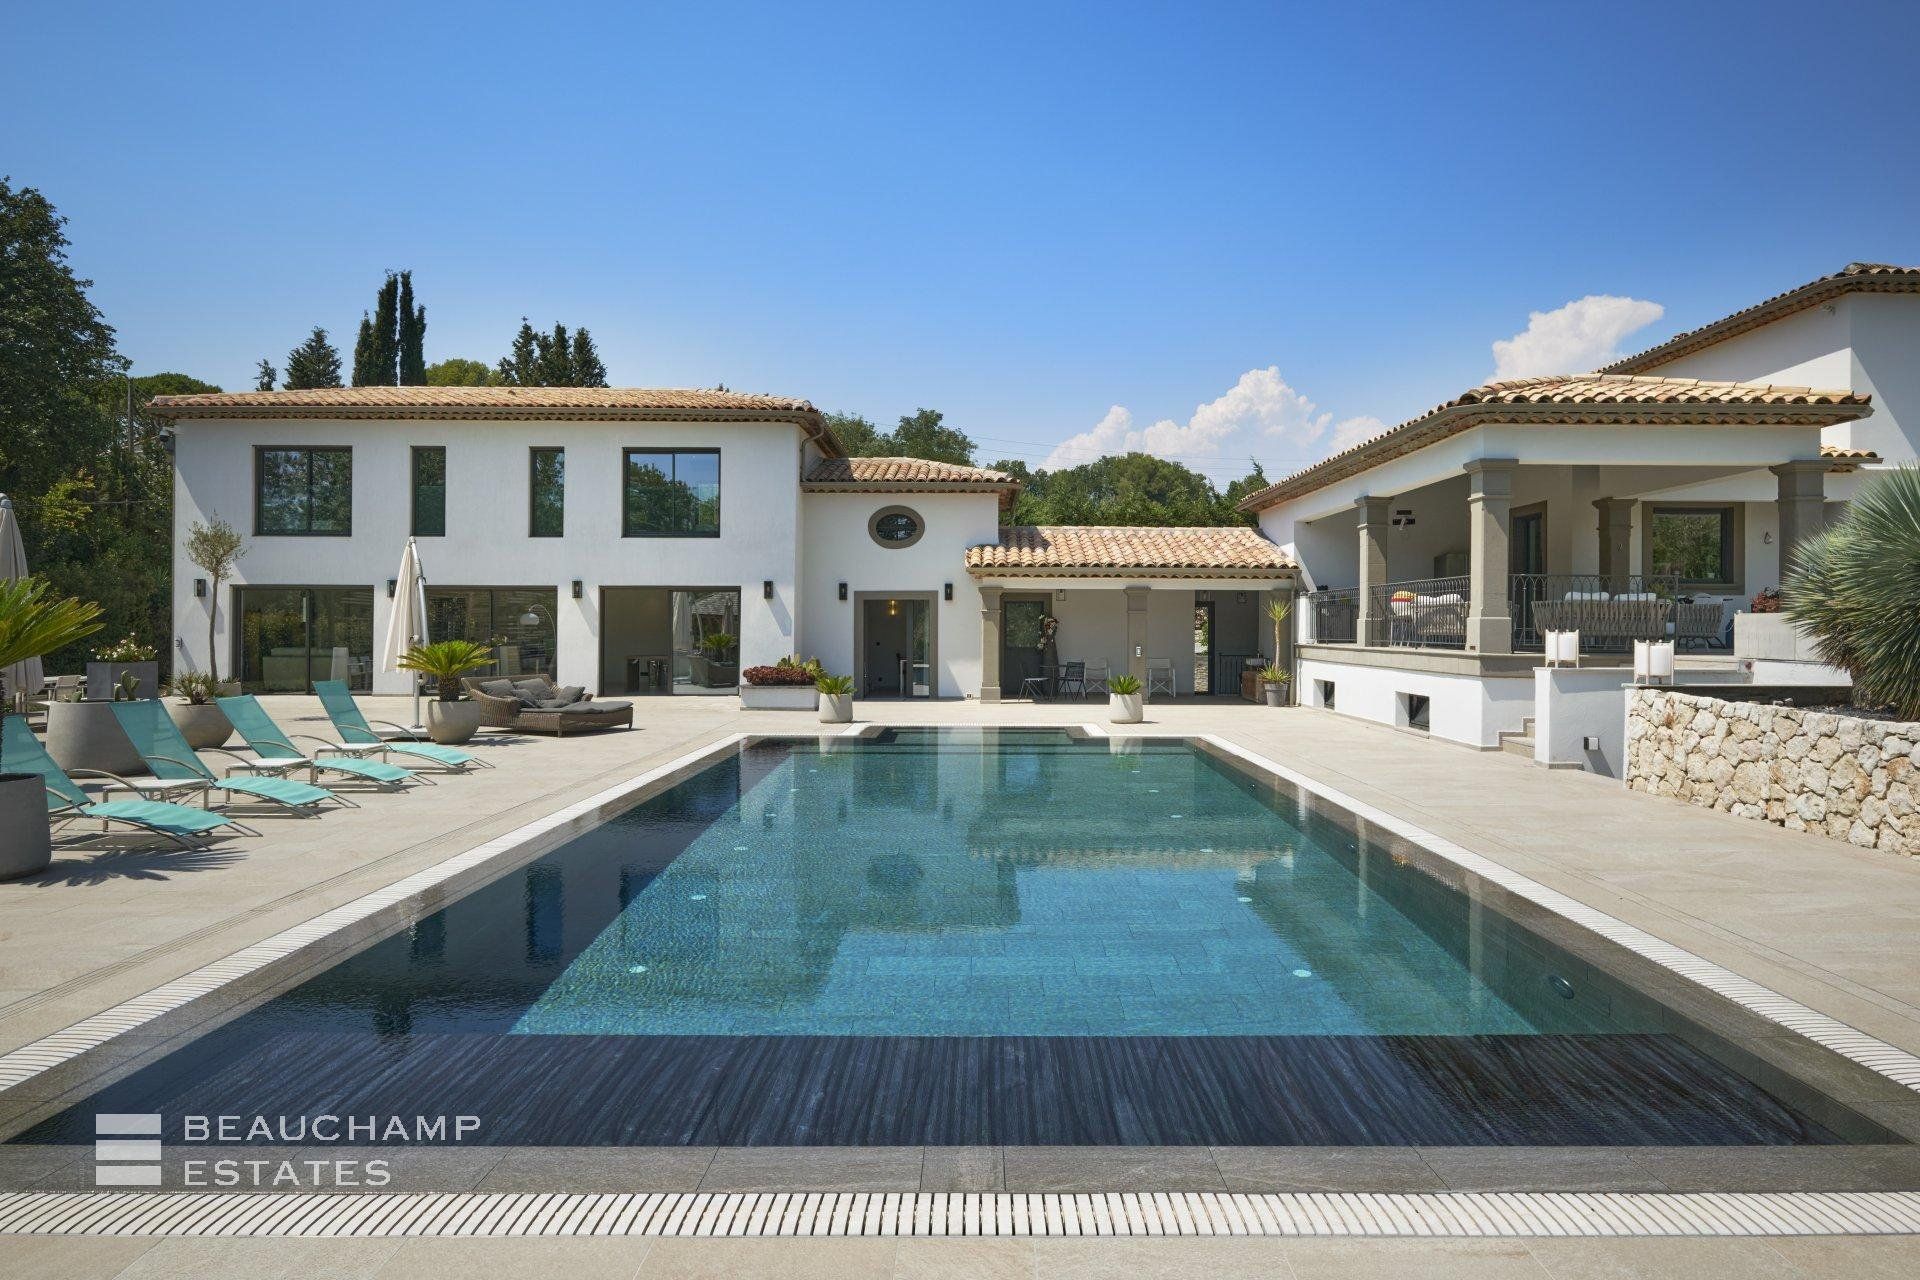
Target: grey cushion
(498,688)
(568,694)
(592,708)
(535,693)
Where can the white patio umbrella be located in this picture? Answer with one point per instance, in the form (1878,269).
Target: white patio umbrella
(407,625)
(22,677)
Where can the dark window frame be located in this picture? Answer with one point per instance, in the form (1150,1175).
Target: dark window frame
(1732,542)
(533,485)
(413,489)
(626,460)
(309,531)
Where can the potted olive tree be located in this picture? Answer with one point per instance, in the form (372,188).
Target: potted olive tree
(1124,704)
(214,548)
(193,709)
(32,623)
(451,719)
(836,699)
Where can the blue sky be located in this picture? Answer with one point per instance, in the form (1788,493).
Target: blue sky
(1262,227)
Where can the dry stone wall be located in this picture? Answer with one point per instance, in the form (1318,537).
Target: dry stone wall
(1843,776)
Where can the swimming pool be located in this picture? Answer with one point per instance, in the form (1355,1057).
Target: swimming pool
(979,937)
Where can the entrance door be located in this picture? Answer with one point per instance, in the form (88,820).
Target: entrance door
(1020,655)
(896,647)
(1203,646)
(291,636)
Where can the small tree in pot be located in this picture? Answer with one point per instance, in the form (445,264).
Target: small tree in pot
(32,623)
(214,549)
(450,720)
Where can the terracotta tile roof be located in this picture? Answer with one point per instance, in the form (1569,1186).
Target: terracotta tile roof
(859,473)
(1855,277)
(618,404)
(1846,459)
(1112,551)
(1579,398)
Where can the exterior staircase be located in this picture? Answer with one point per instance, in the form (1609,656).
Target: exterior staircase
(1518,742)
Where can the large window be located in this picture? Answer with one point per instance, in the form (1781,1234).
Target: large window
(429,491)
(671,493)
(548,493)
(1695,544)
(291,636)
(302,491)
(517,623)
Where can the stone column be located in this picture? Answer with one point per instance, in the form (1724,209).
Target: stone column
(1137,634)
(1616,542)
(1489,528)
(1803,504)
(990,643)
(1374,517)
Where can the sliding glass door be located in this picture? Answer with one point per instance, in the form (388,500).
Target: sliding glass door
(517,623)
(291,636)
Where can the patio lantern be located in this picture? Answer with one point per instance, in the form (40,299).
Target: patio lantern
(1653,661)
(1563,648)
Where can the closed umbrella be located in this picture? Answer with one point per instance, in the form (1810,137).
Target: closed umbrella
(22,677)
(407,625)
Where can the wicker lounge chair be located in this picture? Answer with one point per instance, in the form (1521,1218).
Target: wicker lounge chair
(501,712)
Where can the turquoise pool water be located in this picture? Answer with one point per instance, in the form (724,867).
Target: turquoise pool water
(959,885)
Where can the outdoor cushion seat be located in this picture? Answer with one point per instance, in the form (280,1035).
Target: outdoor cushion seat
(592,708)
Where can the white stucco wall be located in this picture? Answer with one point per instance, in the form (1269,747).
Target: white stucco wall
(1573,704)
(1464,709)
(836,548)
(486,543)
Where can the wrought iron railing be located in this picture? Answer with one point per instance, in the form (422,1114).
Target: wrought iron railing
(1422,613)
(1610,612)
(1334,615)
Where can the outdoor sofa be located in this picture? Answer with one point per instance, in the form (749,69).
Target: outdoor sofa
(533,705)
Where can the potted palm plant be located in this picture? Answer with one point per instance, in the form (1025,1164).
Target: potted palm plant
(451,719)
(1124,702)
(719,668)
(836,699)
(32,623)
(201,721)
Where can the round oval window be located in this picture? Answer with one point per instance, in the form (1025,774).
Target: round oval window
(896,527)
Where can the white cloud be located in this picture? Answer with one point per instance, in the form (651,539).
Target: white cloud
(1349,432)
(1578,337)
(1260,401)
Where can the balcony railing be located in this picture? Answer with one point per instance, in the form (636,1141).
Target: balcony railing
(1335,615)
(1422,613)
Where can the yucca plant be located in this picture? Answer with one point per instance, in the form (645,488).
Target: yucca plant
(446,661)
(834,686)
(33,621)
(1855,587)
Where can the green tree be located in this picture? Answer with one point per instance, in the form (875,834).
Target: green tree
(588,371)
(215,549)
(1253,482)
(859,437)
(383,348)
(456,372)
(555,361)
(314,363)
(923,435)
(520,367)
(411,336)
(366,369)
(1125,489)
(265,376)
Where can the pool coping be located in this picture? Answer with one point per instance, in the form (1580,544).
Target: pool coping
(295,952)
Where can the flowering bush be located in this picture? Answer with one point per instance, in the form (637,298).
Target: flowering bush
(778,675)
(1767,601)
(128,650)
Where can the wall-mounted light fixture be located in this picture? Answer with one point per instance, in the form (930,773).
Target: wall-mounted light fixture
(1403,519)
(393,585)
(579,588)
(199,588)
(949,593)
(843,591)
(766,589)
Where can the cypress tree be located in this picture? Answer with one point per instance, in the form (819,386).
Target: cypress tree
(556,358)
(384,359)
(412,336)
(520,367)
(587,369)
(365,374)
(314,363)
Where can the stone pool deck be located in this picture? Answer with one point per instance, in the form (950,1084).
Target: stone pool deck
(1823,923)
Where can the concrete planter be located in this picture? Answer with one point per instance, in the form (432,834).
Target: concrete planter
(26,843)
(779,697)
(1276,695)
(84,735)
(203,726)
(836,708)
(104,677)
(1125,708)
(452,723)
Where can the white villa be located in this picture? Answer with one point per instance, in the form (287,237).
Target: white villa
(600,536)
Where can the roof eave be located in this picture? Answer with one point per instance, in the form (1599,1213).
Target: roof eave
(1761,314)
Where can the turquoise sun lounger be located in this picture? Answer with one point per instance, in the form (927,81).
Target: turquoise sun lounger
(159,742)
(275,748)
(355,731)
(67,800)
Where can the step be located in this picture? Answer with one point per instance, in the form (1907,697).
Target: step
(1519,744)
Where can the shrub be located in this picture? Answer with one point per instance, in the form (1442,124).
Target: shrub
(834,686)
(195,687)
(778,675)
(1124,684)
(1855,586)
